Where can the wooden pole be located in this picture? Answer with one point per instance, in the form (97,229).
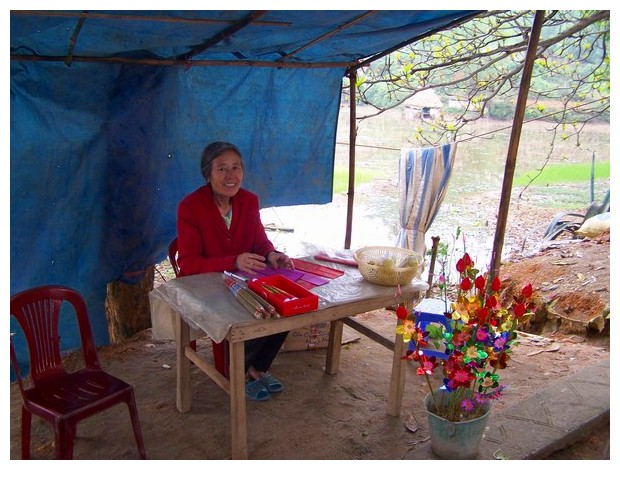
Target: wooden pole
(592,178)
(352,136)
(513,146)
(431,268)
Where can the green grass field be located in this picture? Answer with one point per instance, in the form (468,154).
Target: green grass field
(565,173)
(341,178)
(551,175)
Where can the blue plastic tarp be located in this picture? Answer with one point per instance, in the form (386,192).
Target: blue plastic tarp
(102,151)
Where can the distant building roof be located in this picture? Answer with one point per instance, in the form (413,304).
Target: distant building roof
(425,98)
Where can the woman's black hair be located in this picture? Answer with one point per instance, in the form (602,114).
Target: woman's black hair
(211,152)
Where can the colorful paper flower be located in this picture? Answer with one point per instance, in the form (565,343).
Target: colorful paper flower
(479,343)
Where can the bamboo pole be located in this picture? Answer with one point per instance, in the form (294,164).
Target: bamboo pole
(330,34)
(168,62)
(431,268)
(352,137)
(142,18)
(224,35)
(513,146)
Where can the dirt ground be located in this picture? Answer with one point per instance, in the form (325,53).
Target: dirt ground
(343,416)
(316,417)
(320,416)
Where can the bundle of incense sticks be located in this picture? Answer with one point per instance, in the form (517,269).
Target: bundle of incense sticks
(278,291)
(266,305)
(257,306)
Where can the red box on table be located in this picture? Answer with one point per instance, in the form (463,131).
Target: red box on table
(304,301)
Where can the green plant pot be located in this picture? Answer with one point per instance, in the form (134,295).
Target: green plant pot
(454,440)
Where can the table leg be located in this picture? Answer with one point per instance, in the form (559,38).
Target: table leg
(184,393)
(332,361)
(397,379)
(238,407)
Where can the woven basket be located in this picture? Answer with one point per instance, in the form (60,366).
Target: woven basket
(389,266)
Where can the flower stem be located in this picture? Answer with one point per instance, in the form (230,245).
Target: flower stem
(432,390)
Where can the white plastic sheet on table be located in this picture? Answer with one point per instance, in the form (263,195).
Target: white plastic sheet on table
(187,296)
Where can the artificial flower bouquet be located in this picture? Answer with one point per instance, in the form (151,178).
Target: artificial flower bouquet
(479,346)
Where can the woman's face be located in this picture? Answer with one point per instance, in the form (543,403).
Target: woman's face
(226,174)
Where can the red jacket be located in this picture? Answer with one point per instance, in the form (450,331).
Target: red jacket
(205,244)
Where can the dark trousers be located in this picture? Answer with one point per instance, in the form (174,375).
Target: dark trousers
(260,352)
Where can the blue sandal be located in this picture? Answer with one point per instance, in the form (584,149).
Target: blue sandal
(271,382)
(256,391)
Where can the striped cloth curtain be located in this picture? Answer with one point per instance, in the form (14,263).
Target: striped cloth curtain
(423,176)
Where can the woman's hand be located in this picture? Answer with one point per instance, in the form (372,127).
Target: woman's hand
(250,263)
(279,260)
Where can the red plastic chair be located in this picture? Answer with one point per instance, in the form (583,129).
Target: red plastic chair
(172,256)
(57,396)
(220,350)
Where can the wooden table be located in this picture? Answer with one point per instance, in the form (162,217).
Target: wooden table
(357,296)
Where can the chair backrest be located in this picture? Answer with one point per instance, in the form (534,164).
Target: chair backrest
(38,310)
(172,256)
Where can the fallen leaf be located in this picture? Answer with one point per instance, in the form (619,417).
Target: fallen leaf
(498,455)
(411,424)
(352,392)
(417,442)
(552,348)
(574,339)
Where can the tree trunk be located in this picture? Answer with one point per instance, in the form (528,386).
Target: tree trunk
(127,307)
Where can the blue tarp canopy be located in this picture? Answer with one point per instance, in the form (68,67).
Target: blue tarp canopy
(110,111)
